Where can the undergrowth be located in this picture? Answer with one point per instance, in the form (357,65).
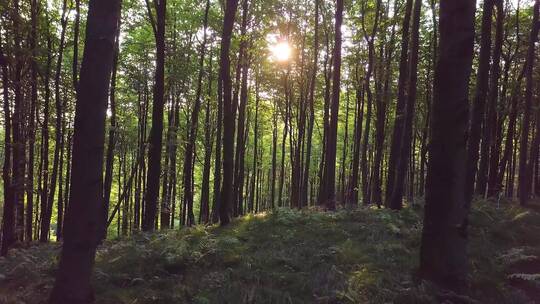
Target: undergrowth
(288,256)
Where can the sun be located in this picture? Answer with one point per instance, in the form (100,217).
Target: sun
(281,51)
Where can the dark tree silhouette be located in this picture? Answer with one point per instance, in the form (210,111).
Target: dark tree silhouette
(84,216)
(443,257)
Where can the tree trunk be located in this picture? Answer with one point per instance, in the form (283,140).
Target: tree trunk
(399,120)
(493,95)
(243,64)
(156,132)
(369,38)
(109,159)
(83,219)
(443,257)
(190,147)
(343,180)
(352,196)
(274,157)
(525,173)
(228,114)
(76,30)
(478,106)
(255,145)
(204,216)
(32,120)
(403,159)
(304,199)
(46,221)
(330,157)
(8,222)
(19,123)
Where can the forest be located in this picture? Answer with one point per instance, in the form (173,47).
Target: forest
(268,151)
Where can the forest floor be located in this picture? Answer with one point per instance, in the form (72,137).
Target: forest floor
(360,256)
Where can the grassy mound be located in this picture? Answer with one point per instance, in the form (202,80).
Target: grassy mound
(360,256)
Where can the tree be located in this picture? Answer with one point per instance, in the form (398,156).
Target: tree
(311,100)
(399,121)
(394,185)
(228,113)
(330,157)
(493,117)
(83,222)
(156,132)
(190,146)
(525,165)
(478,108)
(406,141)
(369,37)
(46,221)
(111,141)
(8,222)
(443,256)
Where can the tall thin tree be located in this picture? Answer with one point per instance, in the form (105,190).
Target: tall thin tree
(83,218)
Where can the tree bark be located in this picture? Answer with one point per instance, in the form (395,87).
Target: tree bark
(83,219)
(238,199)
(443,257)
(478,107)
(46,221)
(156,132)
(228,114)
(493,116)
(304,199)
(330,157)
(18,124)
(109,158)
(32,120)
(370,40)
(525,172)
(399,120)
(204,216)
(190,147)
(8,222)
(402,162)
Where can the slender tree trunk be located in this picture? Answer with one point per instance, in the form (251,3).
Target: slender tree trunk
(18,124)
(478,107)
(311,100)
(345,149)
(493,95)
(399,120)
(352,196)
(83,219)
(109,158)
(8,222)
(403,159)
(204,216)
(284,140)
(190,147)
(330,157)
(274,157)
(76,30)
(32,120)
(46,221)
(228,114)
(255,145)
(156,132)
(370,40)
(243,64)
(219,142)
(326,120)
(525,172)
(443,257)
